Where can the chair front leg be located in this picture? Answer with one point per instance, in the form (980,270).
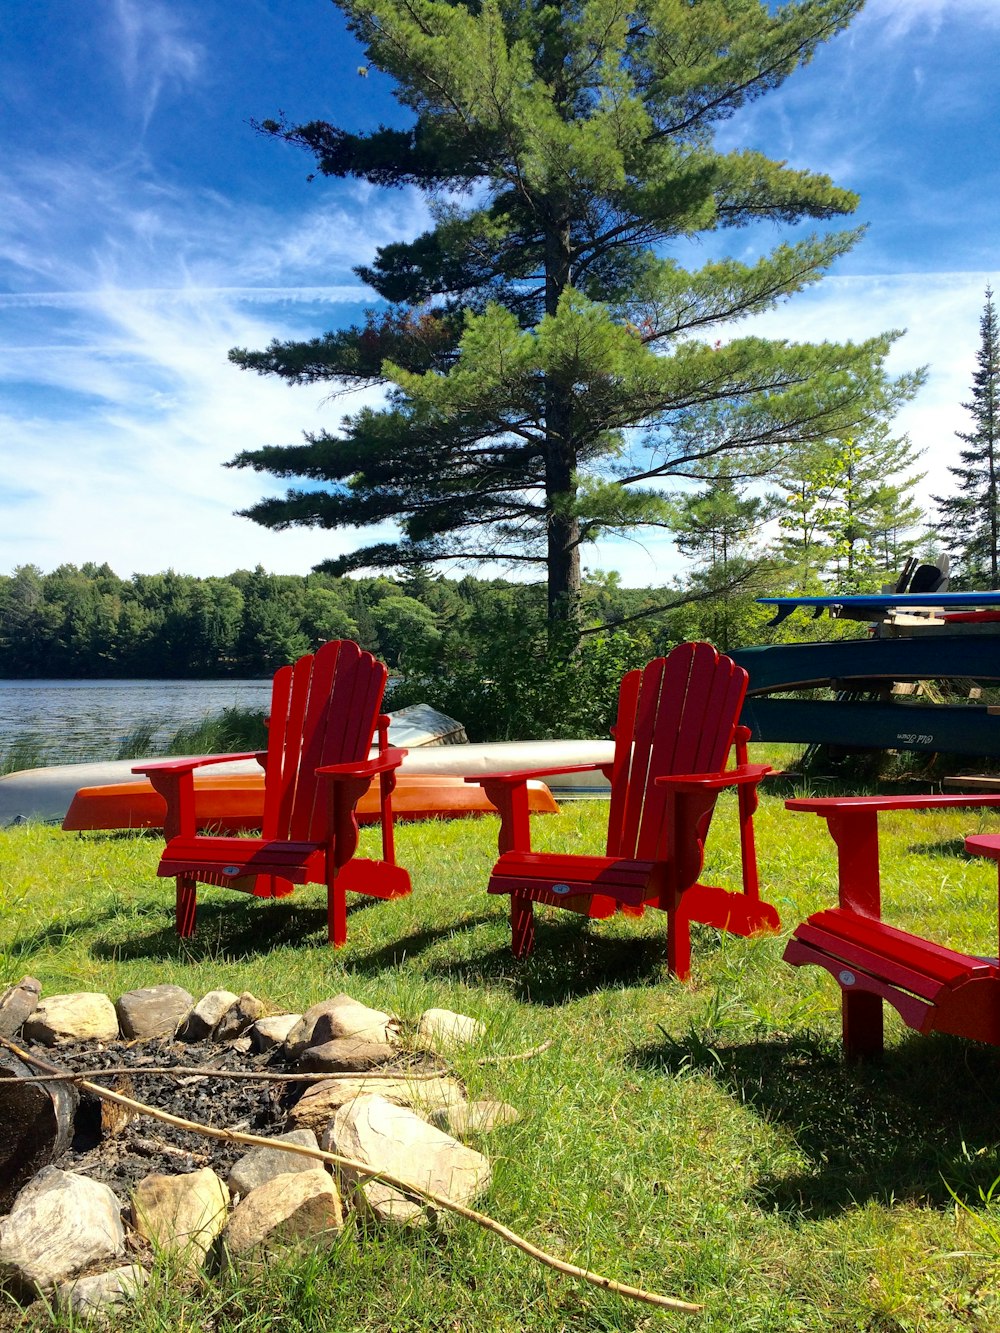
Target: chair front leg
(863,1023)
(678,943)
(336,908)
(511,800)
(186,905)
(522,925)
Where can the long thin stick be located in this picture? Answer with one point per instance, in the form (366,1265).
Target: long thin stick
(257,1076)
(334,1159)
(270,1076)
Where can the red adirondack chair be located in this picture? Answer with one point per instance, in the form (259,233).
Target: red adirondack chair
(677,721)
(933,989)
(324,714)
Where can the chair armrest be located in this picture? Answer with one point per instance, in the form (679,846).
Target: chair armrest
(365,768)
(853,825)
(512,779)
(189,765)
(742,775)
(845,805)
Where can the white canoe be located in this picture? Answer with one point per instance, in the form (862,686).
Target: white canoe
(45,794)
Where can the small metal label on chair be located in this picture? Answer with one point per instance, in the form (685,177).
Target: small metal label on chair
(846,978)
(560,888)
(230,870)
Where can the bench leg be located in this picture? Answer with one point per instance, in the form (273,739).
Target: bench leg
(863,1024)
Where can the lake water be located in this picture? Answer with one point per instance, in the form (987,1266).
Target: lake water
(77,720)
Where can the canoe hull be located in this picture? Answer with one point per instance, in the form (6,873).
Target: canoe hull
(235,803)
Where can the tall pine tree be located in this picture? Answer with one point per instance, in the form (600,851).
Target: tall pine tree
(549,364)
(969,521)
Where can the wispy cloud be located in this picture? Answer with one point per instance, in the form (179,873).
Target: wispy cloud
(155,51)
(120,405)
(903,16)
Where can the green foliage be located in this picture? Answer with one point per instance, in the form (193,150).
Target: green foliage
(21,752)
(233,731)
(511,678)
(541,347)
(466,639)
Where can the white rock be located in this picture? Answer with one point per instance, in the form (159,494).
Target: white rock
(286,1208)
(393,1139)
(341,1016)
(181,1213)
(201,1021)
(59,1223)
(315,1107)
(262,1164)
(90,1296)
(267,1033)
(82,1016)
(474,1117)
(441,1028)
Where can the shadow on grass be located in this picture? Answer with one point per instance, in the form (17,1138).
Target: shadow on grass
(571,960)
(945,847)
(245,928)
(906,1128)
(57,932)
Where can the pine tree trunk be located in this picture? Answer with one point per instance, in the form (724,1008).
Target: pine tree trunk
(563,527)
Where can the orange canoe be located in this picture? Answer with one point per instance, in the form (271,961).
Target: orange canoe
(235,803)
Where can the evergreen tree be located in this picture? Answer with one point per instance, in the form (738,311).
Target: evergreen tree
(969,521)
(875,490)
(847,507)
(722,521)
(540,347)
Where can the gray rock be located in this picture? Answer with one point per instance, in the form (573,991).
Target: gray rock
(289,1207)
(267,1033)
(394,1140)
(238,1017)
(183,1214)
(153,1011)
(59,1223)
(203,1018)
(81,1016)
(89,1297)
(263,1164)
(17,1003)
(347,1055)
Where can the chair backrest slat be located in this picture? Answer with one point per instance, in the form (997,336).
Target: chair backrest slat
(678,714)
(324,710)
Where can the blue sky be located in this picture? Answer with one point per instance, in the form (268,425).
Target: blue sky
(145,229)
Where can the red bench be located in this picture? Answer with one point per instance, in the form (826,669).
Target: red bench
(932,988)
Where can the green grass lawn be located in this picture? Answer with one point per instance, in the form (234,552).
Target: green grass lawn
(703,1140)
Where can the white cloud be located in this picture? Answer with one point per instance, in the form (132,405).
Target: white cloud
(902,16)
(155,52)
(119,404)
